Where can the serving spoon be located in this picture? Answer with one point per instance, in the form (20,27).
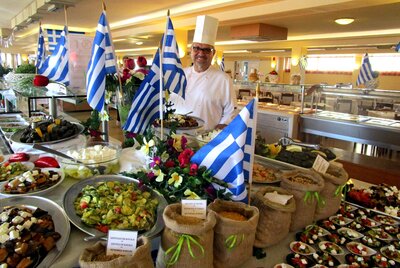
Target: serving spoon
(285,141)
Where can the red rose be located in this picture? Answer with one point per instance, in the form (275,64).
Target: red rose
(184,157)
(193,169)
(40,81)
(169,164)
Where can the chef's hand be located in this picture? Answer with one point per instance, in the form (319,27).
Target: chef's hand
(220,126)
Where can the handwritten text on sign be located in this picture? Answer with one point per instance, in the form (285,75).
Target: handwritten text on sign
(194,208)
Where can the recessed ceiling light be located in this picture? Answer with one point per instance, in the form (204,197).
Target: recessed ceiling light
(344,21)
(139,43)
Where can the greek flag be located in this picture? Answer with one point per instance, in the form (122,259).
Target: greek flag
(173,75)
(40,49)
(365,74)
(101,63)
(55,67)
(222,65)
(145,106)
(53,37)
(229,156)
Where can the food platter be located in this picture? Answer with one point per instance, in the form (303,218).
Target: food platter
(278,164)
(74,190)
(40,191)
(268,167)
(16,137)
(60,219)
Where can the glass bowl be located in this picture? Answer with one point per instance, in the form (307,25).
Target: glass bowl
(97,158)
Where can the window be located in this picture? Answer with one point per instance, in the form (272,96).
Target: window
(385,62)
(330,63)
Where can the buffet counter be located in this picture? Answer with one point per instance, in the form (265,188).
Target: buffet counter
(354,128)
(70,255)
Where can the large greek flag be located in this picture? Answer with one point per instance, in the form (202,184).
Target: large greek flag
(55,67)
(40,56)
(101,63)
(365,74)
(53,37)
(229,156)
(222,65)
(145,106)
(174,77)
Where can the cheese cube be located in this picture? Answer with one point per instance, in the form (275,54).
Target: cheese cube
(14,234)
(17,219)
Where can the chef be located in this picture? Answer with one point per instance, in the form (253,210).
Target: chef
(209,94)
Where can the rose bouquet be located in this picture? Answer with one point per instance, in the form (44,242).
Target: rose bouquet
(171,173)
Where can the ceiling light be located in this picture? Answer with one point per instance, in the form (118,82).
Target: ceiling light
(273,51)
(344,21)
(236,51)
(139,43)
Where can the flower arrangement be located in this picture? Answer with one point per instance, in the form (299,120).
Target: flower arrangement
(171,172)
(92,125)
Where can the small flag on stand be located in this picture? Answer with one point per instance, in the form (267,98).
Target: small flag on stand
(40,57)
(145,106)
(229,156)
(222,65)
(173,74)
(101,63)
(144,109)
(55,67)
(365,74)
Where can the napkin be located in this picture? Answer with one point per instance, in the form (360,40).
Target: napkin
(281,199)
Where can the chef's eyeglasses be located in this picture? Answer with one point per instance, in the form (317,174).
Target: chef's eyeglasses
(206,50)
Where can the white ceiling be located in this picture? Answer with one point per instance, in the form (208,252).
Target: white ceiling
(309,22)
(9,8)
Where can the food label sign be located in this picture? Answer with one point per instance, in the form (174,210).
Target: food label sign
(194,208)
(320,164)
(121,242)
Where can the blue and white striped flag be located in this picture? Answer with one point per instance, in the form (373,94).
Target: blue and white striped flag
(53,37)
(40,57)
(55,67)
(173,74)
(145,106)
(365,74)
(222,65)
(101,63)
(229,156)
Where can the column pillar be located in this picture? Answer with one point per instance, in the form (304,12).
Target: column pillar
(357,64)
(297,53)
(182,40)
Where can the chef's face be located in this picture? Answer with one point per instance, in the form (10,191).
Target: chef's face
(202,55)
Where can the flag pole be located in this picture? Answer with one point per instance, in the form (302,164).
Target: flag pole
(119,94)
(253,140)
(162,80)
(37,49)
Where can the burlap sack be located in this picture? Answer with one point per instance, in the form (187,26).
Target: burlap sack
(335,177)
(196,236)
(305,195)
(233,240)
(275,219)
(140,259)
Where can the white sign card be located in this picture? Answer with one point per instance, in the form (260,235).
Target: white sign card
(320,164)
(194,208)
(121,242)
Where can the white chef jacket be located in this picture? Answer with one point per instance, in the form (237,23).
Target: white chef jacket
(209,96)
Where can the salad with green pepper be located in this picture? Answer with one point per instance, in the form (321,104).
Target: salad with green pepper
(116,205)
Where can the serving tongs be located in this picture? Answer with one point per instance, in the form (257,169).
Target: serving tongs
(51,151)
(285,141)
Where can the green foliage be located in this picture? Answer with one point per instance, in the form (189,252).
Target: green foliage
(92,124)
(26,69)
(172,174)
